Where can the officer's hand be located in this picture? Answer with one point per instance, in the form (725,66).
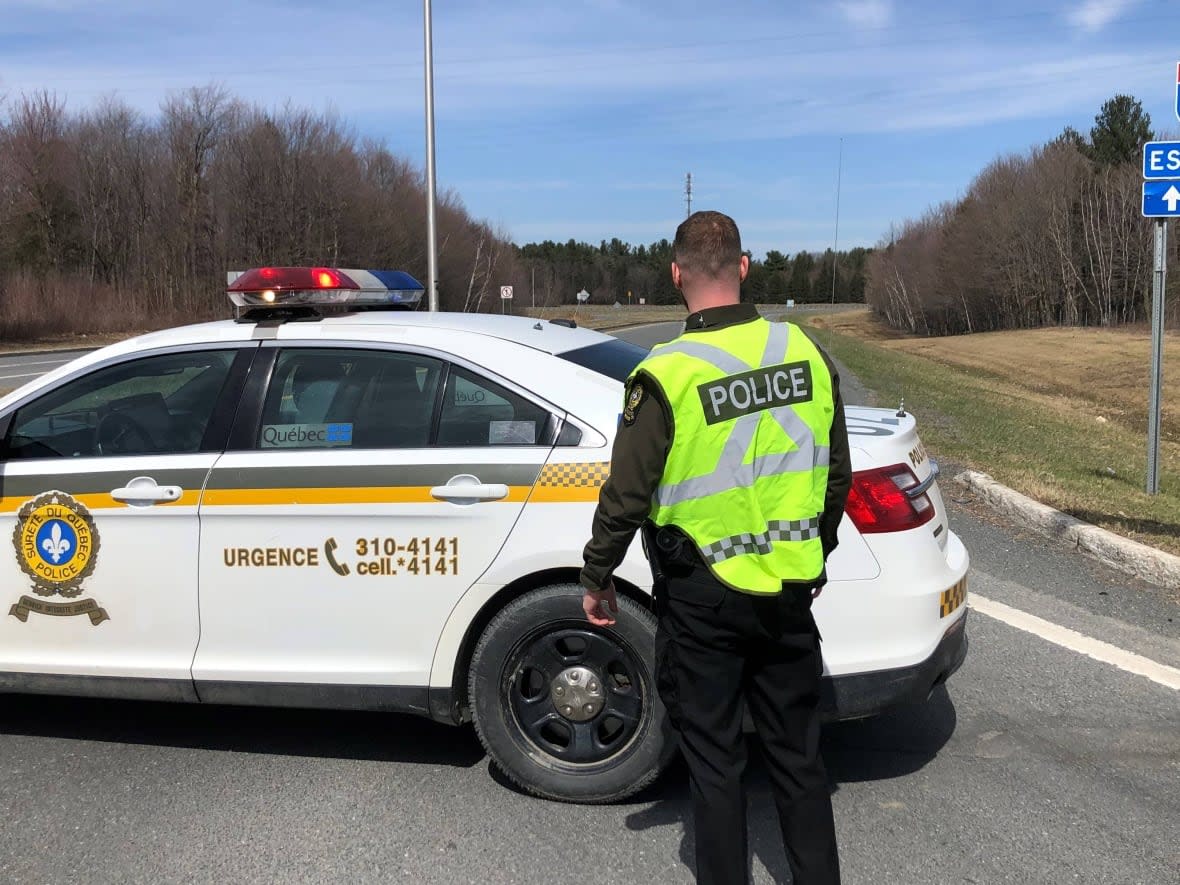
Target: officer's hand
(600,605)
(816,591)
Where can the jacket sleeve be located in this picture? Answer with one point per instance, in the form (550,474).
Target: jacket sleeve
(637,463)
(839,468)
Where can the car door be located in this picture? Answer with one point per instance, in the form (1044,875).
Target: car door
(365,492)
(100,480)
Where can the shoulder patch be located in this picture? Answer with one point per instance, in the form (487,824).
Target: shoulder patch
(636,394)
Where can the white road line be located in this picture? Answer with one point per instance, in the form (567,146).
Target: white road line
(26,375)
(1079,642)
(19,363)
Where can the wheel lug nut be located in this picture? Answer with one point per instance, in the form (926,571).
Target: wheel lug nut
(589,708)
(559,691)
(593,686)
(567,709)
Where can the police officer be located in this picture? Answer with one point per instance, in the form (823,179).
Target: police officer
(733,456)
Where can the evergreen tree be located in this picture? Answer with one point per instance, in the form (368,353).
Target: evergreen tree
(1073,138)
(799,286)
(1120,130)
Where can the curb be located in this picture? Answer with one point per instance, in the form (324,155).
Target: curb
(1118,552)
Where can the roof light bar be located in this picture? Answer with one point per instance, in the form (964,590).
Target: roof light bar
(277,287)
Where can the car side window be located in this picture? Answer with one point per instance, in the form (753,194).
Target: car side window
(361,399)
(479,412)
(152,406)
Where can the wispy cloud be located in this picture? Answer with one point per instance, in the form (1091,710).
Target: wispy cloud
(867,13)
(1094,15)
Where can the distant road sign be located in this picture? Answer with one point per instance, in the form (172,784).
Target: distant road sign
(1161,199)
(506,293)
(1161,159)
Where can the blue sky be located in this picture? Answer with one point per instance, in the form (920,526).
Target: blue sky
(581,118)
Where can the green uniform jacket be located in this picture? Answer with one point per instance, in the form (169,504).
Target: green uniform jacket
(641,447)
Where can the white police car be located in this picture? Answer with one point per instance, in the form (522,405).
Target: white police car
(326,505)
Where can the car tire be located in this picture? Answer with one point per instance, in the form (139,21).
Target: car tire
(569,711)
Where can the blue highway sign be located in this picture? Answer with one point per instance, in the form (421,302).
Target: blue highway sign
(1161,199)
(1161,159)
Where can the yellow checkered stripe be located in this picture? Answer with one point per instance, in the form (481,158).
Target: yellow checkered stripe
(951,599)
(574,483)
(575,475)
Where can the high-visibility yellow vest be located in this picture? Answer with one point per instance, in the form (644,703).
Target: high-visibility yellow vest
(747,472)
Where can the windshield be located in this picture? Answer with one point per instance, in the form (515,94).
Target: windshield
(615,358)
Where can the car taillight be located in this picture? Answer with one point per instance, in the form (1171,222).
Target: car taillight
(878,500)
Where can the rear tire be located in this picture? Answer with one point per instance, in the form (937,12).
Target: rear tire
(567,710)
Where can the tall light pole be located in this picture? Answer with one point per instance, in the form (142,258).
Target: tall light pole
(836,238)
(431,222)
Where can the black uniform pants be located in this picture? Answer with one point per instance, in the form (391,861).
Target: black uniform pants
(718,649)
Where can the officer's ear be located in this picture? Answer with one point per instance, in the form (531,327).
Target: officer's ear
(676,275)
(743,268)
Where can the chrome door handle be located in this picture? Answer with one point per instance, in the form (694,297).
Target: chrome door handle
(466,488)
(143,492)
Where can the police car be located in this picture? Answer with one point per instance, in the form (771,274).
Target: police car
(326,503)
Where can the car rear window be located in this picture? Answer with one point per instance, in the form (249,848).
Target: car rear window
(615,358)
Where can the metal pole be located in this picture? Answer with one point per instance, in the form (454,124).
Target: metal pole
(836,238)
(431,222)
(533,284)
(1159,276)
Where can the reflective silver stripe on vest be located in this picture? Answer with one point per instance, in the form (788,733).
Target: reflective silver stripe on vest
(776,345)
(730,472)
(776,530)
(709,353)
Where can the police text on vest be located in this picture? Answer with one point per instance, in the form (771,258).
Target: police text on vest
(737,395)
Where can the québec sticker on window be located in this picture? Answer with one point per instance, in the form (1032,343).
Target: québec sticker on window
(56,545)
(305,436)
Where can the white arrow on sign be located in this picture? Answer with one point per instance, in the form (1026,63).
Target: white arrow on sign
(1171,197)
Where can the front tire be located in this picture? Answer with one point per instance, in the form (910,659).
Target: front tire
(567,710)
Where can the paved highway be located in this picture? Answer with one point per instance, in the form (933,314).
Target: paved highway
(1036,764)
(20,368)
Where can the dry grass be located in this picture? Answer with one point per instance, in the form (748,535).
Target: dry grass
(65,310)
(1059,414)
(1094,373)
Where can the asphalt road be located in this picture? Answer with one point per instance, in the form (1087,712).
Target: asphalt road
(1036,764)
(20,368)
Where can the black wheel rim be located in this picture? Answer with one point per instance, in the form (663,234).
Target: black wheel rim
(540,660)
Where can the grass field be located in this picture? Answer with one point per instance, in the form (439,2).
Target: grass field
(1059,414)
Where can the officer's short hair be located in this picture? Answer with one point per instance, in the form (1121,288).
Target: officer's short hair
(708,244)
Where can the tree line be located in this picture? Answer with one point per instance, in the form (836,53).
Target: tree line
(551,273)
(112,220)
(1051,237)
